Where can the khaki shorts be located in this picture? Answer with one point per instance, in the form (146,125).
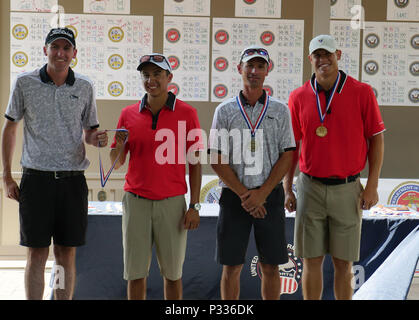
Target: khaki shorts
(146,222)
(328,219)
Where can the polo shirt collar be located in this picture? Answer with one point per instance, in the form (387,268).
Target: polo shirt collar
(244,102)
(45,78)
(341,83)
(170,102)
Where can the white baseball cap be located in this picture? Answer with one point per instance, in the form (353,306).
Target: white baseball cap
(254,52)
(323,41)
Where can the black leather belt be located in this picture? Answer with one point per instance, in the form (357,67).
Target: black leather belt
(136,195)
(52,174)
(334,181)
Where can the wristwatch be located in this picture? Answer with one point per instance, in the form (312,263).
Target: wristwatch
(196,206)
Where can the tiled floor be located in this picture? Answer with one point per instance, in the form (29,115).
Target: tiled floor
(12,287)
(12,280)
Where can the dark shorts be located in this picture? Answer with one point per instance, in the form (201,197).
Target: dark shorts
(234,226)
(52,208)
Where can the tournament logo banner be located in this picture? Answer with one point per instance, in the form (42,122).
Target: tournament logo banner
(290,272)
(406,193)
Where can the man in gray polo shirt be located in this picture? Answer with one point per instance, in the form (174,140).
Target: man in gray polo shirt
(59,110)
(250,145)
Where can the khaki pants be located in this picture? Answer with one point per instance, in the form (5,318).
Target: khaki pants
(146,222)
(328,219)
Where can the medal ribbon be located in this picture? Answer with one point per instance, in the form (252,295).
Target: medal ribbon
(253,128)
(104,178)
(319,109)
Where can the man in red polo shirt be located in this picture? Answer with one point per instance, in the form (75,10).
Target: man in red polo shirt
(337,120)
(161,129)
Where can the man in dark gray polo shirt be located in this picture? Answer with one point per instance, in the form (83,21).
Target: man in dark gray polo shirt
(250,145)
(59,110)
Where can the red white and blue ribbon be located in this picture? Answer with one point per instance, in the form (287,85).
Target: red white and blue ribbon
(253,128)
(104,178)
(319,108)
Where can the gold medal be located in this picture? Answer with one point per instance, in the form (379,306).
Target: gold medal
(253,144)
(321,131)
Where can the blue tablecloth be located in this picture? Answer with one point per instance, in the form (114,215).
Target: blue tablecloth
(100,262)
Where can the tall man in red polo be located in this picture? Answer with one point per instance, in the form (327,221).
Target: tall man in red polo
(161,128)
(338,123)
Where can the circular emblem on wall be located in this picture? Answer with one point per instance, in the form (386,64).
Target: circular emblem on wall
(333,2)
(372,40)
(221,37)
(174,62)
(74,29)
(116,34)
(271,65)
(414,68)
(401,3)
(115,88)
(414,95)
(268,90)
(73,63)
(173,88)
(211,192)
(20,59)
(179,1)
(220,91)
(20,31)
(115,61)
(406,193)
(371,67)
(267,38)
(172,35)
(290,272)
(414,42)
(221,64)
(249,1)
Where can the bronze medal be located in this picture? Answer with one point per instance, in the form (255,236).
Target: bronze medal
(101,195)
(321,131)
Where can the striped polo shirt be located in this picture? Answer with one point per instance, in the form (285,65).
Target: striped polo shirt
(54,119)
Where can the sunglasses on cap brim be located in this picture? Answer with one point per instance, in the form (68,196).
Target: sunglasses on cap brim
(154,57)
(251,52)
